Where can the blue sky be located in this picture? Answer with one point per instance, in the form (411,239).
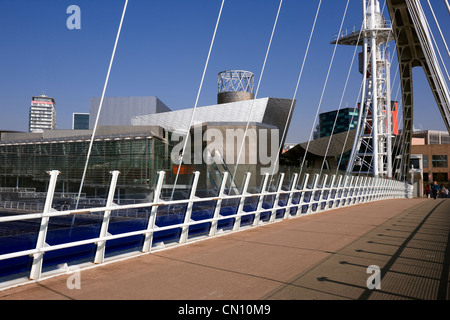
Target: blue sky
(163,49)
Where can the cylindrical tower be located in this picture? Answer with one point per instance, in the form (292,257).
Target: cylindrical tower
(235,85)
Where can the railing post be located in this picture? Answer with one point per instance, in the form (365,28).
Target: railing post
(349,188)
(148,238)
(291,195)
(101,245)
(363,189)
(383,189)
(343,187)
(377,188)
(321,192)
(261,200)
(36,268)
(237,222)
(371,188)
(337,197)
(302,197)
(332,186)
(389,189)
(355,191)
(214,223)
(313,191)
(277,198)
(187,216)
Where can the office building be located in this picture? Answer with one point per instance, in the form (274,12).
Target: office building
(345,119)
(42,114)
(80,121)
(434,148)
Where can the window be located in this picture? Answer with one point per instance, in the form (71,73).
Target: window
(415,163)
(440,177)
(439,161)
(425,161)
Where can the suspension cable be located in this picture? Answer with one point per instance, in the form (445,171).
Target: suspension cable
(439,27)
(197,98)
(340,103)
(256,94)
(101,103)
(297,85)
(351,121)
(437,49)
(323,90)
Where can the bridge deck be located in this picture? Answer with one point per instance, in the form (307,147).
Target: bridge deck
(321,256)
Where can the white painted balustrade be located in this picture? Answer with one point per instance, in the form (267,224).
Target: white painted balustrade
(323,193)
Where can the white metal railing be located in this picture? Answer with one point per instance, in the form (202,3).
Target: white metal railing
(16,190)
(323,193)
(356,29)
(21,205)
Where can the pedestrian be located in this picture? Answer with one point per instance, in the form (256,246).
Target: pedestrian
(445,192)
(427,190)
(435,188)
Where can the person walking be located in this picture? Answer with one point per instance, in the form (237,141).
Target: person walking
(427,190)
(435,188)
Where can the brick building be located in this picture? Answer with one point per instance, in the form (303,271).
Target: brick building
(434,147)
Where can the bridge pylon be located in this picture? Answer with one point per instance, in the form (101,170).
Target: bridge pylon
(372,146)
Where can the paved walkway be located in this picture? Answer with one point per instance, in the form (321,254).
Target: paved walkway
(321,256)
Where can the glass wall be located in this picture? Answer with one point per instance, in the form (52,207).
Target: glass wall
(137,158)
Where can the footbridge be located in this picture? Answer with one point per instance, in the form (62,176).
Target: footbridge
(332,255)
(299,235)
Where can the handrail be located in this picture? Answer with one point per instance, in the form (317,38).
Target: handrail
(323,194)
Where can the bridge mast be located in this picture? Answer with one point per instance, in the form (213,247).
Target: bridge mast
(372,149)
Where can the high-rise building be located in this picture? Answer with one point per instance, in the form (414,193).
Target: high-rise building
(347,119)
(42,114)
(337,121)
(80,121)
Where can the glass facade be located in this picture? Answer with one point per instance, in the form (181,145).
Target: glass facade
(345,120)
(80,121)
(138,158)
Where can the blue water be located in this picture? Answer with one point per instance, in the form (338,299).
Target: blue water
(22,235)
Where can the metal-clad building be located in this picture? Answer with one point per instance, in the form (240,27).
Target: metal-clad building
(117,111)
(268,111)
